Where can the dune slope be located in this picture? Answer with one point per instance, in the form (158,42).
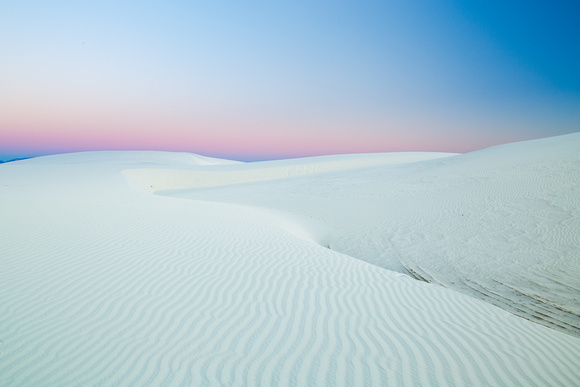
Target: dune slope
(105,284)
(501,224)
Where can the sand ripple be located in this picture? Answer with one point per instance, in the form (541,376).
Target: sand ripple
(110,286)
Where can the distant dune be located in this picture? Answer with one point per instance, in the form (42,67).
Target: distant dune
(158,268)
(8,161)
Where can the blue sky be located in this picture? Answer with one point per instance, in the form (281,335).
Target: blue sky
(256,80)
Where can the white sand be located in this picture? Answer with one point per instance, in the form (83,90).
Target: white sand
(103,282)
(501,224)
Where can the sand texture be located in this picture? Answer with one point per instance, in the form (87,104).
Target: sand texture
(169,269)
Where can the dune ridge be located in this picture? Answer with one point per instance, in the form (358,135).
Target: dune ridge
(102,284)
(501,224)
(162,179)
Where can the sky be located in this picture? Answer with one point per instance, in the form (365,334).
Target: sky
(256,80)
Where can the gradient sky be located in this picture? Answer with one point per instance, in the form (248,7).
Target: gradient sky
(260,80)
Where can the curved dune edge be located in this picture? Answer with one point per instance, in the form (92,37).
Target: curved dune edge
(501,224)
(159,179)
(104,285)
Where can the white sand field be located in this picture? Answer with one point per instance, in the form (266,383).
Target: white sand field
(172,269)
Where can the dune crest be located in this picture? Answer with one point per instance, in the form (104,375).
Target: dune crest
(161,179)
(500,224)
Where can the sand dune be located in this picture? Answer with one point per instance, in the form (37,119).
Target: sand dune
(501,224)
(103,282)
(159,179)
